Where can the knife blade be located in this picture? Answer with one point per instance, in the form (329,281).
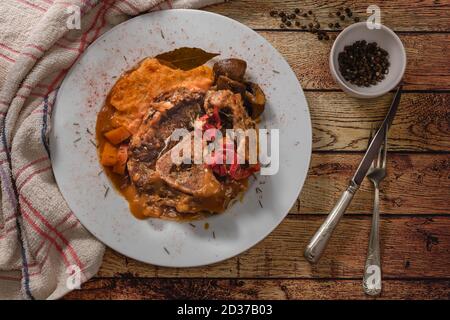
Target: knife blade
(374,147)
(320,239)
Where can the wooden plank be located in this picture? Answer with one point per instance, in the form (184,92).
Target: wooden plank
(412,247)
(415,184)
(138,288)
(308,57)
(342,123)
(400,15)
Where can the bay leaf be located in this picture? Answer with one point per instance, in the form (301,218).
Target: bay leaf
(186,58)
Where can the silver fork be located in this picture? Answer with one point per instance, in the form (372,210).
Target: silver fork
(372,269)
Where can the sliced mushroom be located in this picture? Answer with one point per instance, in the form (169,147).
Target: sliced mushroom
(255,99)
(231,68)
(225,83)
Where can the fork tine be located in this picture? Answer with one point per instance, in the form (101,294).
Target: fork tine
(379,158)
(371,134)
(385,147)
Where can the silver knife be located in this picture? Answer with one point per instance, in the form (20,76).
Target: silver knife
(319,241)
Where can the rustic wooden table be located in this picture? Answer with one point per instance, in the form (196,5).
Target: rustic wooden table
(415,197)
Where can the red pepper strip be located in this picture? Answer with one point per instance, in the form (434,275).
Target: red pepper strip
(235,170)
(242,173)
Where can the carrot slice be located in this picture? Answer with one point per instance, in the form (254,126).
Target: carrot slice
(122,157)
(118,135)
(109,155)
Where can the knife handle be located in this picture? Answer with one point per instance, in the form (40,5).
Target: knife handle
(319,241)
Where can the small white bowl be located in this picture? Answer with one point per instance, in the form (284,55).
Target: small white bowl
(386,39)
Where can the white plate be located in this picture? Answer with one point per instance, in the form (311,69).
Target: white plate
(76,166)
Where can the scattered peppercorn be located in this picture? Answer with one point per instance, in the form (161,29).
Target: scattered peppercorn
(363,64)
(293,19)
(320,37)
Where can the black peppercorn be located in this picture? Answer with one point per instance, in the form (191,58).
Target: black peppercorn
(305,15)
(347,10)
(356,19)
(338,13)
(297,23)
(310,25)
(320,37)
(284,19)
(288,23)
(292,16)
(363,64)
(337,25)
(310,12)
(297,10)
(350,14)
(282,14)
(273,13)
(317,25)
(342,18)
(282,25)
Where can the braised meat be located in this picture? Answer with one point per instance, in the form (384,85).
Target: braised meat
(172,110)
(193,179)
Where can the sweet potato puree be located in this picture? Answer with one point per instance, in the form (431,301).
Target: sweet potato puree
(123,112)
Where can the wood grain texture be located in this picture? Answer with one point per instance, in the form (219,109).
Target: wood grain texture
(342,123)
(415,184)
(412,247)
(427,54)
(136,288)
(400,15)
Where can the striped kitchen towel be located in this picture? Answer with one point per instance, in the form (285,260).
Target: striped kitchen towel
(43,248)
